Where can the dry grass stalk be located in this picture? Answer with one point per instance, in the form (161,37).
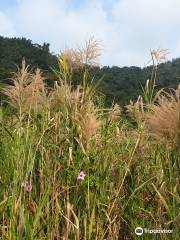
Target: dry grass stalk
(159,55)
(15,92)
(88,123)
(72,58)
(163,121)
(116,112)
(90,53)
(36,92)
(136,110)
(86,55)
(59,96)
(77,96)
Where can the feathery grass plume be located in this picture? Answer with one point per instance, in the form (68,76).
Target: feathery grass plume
(16,92)
(77,96)
(136,110)
(76,59)
(28,89)
(73,59)
(116,112)
(163,120)
(90,53)
(72,62)
(88,122)
(36,92)
(157,57)
(60,96)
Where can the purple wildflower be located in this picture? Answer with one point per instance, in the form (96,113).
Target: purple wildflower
(81,176)
(24,183)
(27,186)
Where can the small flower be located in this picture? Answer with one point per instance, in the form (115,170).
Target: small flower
(24,183)
(81,176)
(27,186)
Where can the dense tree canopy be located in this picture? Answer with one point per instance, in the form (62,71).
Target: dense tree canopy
(13,50)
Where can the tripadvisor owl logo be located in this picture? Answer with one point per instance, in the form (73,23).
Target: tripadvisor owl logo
(139,231)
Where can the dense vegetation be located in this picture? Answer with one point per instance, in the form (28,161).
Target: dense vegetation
(73,169)
(119,84)
(13,50)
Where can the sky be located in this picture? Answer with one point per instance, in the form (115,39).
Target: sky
(126,29)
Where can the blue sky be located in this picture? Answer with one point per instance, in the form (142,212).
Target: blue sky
(127,29)
(4,4)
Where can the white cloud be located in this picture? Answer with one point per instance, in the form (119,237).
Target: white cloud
(128,29)
(6,26)
(148,24)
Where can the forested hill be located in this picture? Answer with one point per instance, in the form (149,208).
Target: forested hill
(125,83)
(13,50)
(119,84)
